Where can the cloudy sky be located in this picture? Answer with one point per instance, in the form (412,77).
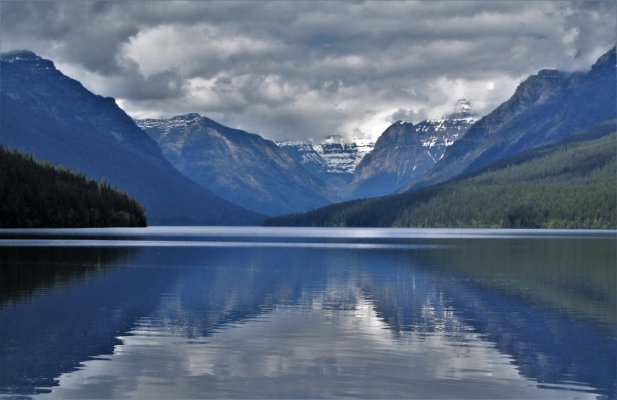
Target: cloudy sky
(308,69)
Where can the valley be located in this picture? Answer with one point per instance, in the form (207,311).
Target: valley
(190,169)
(284,199)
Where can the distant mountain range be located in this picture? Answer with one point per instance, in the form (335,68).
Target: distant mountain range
(546,109)
(402,155)
(332,160)
(190,169)
(569,184)
(241,167)
(296,176)
(53,117)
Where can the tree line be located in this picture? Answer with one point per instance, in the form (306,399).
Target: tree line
(37,194)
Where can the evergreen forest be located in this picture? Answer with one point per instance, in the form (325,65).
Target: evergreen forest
(37,194)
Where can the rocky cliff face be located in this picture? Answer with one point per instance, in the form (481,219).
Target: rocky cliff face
(55,118)
(241,167)
(405,152)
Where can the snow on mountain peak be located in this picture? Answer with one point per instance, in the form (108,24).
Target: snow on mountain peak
(334,154)
(27,57)
(19,55)
(169,125)
(185,117)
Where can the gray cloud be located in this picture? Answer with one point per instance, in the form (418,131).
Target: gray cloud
(308,69)
(405,115)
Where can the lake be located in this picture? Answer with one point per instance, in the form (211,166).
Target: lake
(217,312)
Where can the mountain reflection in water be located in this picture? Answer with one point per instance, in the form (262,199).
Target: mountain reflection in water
(433,317)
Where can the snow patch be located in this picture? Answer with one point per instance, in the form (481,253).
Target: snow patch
(334,154)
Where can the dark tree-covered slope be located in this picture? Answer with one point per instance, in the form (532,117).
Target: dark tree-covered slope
(34,195)
(53,117)
(570,184)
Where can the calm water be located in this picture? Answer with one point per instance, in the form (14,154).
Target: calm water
(276,312)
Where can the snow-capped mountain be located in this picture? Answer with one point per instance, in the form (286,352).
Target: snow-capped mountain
(333,160)
(405,152)
(341,156)
(241,167)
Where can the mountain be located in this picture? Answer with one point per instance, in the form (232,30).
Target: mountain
(241,167)
(405,152)
(332,160)
(53,117)
(38,195)
(545,108)
(568,184)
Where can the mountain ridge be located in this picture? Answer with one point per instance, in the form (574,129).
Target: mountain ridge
(405,153)
(241,167)
(568,184)
(55,118)
(544,108)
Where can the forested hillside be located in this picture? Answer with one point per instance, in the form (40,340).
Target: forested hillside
(36,194)
(567,185)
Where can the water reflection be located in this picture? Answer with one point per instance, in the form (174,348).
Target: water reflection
(510,300)
(444,318)
(61,306)
(25,272)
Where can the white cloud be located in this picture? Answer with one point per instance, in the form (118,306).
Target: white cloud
(309,69)
(190,51)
